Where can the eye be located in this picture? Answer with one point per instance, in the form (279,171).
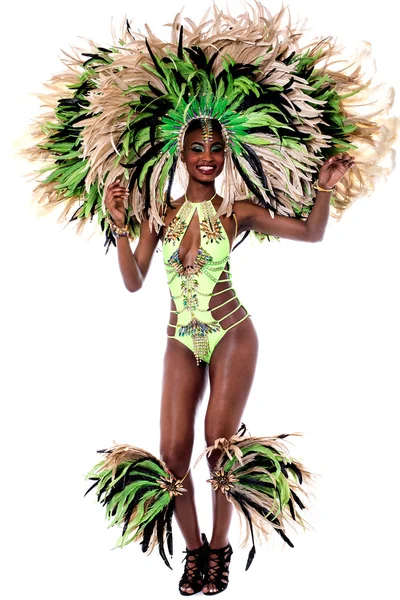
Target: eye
(216,148)
(197,148)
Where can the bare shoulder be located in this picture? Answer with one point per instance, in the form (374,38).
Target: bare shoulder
(243,208)
(245,211)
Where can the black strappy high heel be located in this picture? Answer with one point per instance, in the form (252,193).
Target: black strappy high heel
(218,575)
(194,568)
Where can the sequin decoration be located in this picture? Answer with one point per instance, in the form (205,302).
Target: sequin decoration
(177,227)
(202,259)
(211,230)
(199,332)
(175,230)
(189,276)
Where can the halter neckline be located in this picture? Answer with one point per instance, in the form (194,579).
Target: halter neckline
(202,202)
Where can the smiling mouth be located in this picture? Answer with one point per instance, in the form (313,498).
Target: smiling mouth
(206,170)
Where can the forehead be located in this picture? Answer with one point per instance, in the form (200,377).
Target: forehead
(197,135)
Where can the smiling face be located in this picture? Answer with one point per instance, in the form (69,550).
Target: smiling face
(203,154)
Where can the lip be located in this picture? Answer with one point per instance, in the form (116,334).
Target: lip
(206,169)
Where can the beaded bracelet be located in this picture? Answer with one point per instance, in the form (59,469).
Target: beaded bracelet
(321,189)
(118,231)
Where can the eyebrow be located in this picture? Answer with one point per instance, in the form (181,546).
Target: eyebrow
(202,143)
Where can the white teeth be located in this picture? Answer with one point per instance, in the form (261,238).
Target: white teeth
(206,169)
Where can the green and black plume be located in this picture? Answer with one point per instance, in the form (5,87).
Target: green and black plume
(283,109)
(263,483)
(139,494)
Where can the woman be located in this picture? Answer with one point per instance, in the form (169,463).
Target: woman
(228,358)
(248,98)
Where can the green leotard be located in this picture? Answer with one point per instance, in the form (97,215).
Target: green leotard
(192,286)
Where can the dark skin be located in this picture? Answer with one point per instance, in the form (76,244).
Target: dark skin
(233,362)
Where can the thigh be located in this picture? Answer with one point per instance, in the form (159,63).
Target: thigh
(182,390)
(232,368)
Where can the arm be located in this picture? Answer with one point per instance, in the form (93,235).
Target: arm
(133,266)
(255,218)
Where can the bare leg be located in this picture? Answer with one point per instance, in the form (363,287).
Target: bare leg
(183,388)
(232,369)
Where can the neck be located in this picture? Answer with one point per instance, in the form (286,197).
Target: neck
(200,192)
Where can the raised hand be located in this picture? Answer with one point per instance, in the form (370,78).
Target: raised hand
(114,200)
(334,168)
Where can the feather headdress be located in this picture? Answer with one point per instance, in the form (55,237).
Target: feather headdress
(283,108)
(263,483)
(138,492)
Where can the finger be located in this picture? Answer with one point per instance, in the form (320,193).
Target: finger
(349,161)
(117,193)
(120,192)
(115,183)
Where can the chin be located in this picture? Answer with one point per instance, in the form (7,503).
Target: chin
(205,178)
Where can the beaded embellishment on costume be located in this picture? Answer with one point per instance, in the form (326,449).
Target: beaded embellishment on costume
(189,286)
(201,259)
(205,264)
(178,225)
(199,332)
(211,231)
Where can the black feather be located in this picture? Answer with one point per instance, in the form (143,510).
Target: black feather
(255,162)
(198,57)
(284,537)
(147,204)
(129,510)
(246,513)
(160,537)
(171,176)
(92,486)
(297,500)
(155,61)
(250,557)
(75,215)
(129,30)
(252,186)
(147,533)
(168,526)
(294,468)
(245,235)
(180,43)
(242,429)
(291,508)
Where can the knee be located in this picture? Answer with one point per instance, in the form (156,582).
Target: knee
(176,455)
(214,431)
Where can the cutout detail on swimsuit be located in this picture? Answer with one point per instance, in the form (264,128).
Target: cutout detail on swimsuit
(194,286)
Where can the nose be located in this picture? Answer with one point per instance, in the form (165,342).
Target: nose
(207,153)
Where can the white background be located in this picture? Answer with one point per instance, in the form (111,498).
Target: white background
(82,360)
